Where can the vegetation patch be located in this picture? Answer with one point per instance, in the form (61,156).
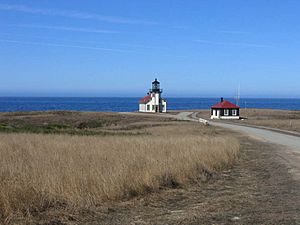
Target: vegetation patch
(90,124)
(4,126)
(77,123)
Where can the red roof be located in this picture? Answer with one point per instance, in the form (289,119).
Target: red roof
(146,99)
(225,105)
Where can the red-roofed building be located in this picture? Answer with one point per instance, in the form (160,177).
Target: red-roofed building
(146,99)
(153,101)
(225,110)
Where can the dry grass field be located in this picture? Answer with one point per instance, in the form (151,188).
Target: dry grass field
(41,171)
(280,119)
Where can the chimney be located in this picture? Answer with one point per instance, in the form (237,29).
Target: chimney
(222,99)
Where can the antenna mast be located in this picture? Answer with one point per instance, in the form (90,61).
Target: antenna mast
(238,95)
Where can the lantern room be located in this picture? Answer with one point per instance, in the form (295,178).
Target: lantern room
(155,87)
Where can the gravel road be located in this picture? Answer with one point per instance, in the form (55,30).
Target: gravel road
(290,141)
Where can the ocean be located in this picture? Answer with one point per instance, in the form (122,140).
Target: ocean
(12,104)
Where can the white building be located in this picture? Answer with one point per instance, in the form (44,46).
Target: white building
(153,102)
(225,110)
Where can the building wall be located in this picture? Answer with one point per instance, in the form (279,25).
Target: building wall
(148,107)
(220,114)
(152,104)
(142,107)
(229,117)
(230,112)
(164,106)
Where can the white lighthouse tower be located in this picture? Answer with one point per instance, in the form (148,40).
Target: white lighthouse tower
(153,102)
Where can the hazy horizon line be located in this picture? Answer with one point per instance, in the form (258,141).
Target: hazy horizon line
(183,97)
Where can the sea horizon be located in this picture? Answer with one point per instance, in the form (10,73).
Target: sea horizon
(130,104)
(264,97)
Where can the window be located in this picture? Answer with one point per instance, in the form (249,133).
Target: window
(148,107)
(226,112)
(153,108)
(234,112)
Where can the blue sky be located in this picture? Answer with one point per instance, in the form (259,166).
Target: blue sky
(116,48)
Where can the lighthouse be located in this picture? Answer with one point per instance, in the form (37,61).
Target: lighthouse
(153,102)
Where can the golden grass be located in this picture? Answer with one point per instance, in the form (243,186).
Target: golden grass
(280,119)
(290,125)
(39,171)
